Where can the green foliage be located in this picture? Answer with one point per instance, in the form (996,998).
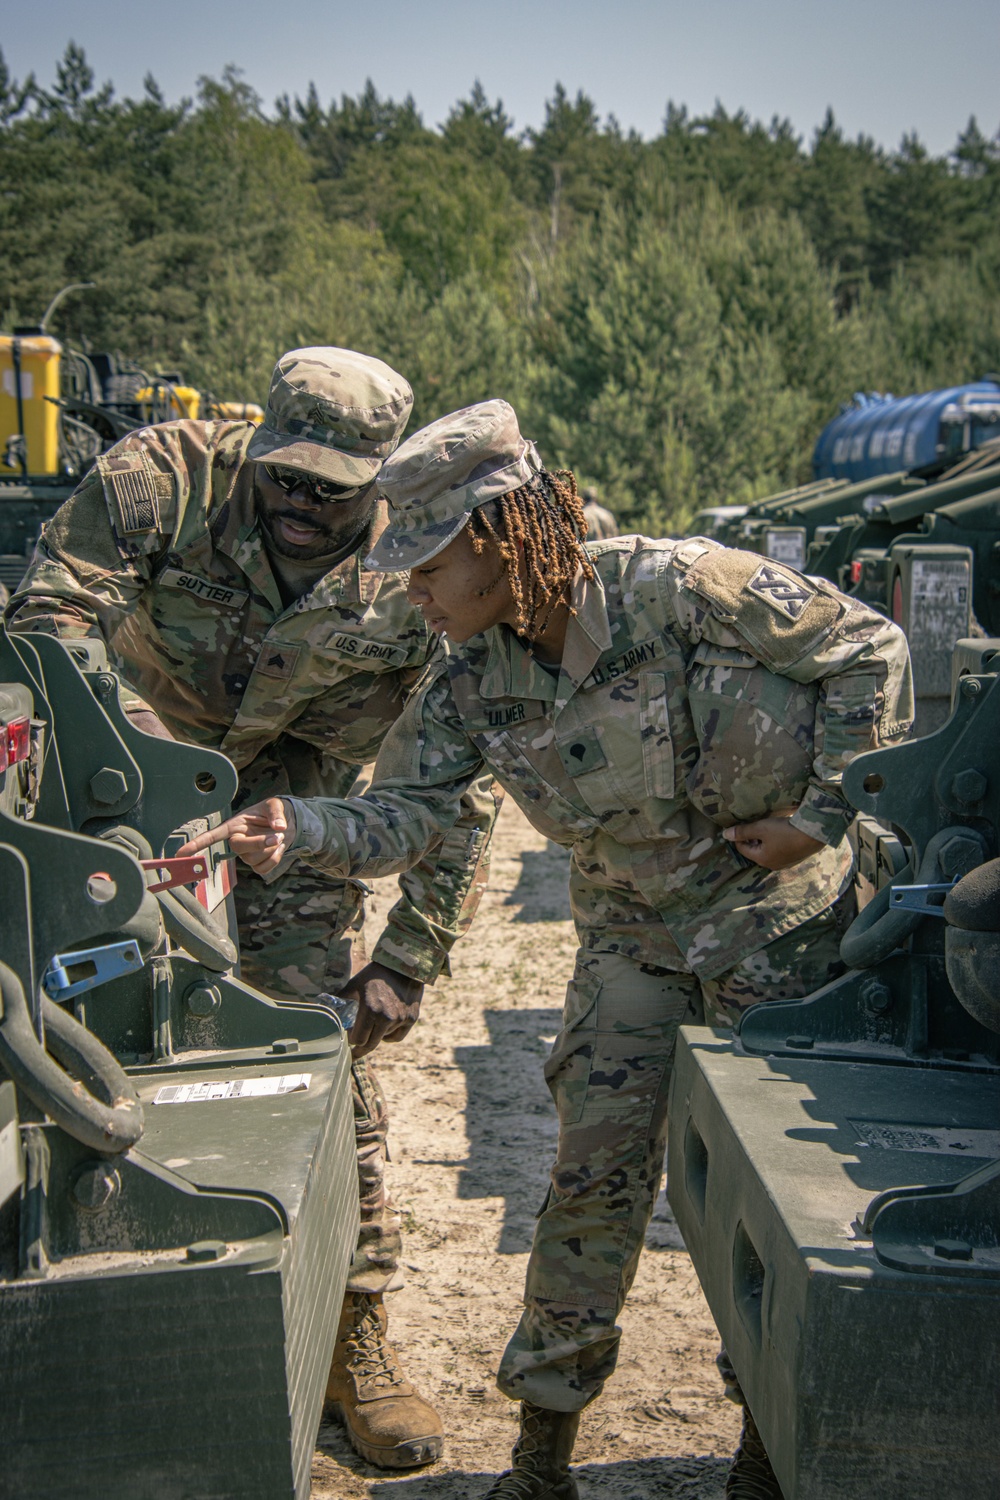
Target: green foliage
(675,319)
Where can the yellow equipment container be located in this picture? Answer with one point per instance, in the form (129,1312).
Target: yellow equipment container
(38,357)
(169,403)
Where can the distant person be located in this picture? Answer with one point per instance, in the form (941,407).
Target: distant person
(600,522)
(678,715)
(224,565)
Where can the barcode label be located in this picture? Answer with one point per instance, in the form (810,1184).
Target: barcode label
(235,1088)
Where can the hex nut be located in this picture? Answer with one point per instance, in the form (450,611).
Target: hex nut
(877,997)
(286,1044)
(108,786)
(203,1000)
(959,856)
(969,786)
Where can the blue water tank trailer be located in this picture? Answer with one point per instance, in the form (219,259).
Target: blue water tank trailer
(881,434)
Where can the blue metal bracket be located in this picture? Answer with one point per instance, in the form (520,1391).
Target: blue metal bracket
(928,899)
(70,974)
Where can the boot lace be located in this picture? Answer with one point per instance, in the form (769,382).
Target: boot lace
(370,1358)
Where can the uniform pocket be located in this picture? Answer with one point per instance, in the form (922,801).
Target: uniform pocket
(567,1067)
(654,732)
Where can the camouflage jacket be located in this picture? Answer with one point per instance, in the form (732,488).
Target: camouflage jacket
(700,686)
(159,552)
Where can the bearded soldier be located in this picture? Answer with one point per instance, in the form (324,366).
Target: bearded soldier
(223,566)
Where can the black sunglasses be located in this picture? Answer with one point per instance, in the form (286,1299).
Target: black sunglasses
(320,489)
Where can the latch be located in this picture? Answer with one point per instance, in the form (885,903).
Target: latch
(928,899)
(176,871)
(70,974)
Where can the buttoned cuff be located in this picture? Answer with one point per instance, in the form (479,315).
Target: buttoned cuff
(823,815)
(400,949)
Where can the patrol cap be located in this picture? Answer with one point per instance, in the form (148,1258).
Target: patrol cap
(334,413)
(442,474)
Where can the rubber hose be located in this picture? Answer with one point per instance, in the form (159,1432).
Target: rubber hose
(109,1127)
(190,925)
(876,931)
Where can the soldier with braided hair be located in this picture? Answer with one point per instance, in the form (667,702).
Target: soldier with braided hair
(678,715)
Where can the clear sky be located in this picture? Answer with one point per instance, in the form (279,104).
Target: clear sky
(885,66)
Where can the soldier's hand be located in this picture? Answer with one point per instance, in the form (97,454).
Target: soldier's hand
(260,835)
(149,722)
(388,1006)
(772,842)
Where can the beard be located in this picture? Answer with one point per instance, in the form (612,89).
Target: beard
(329,536)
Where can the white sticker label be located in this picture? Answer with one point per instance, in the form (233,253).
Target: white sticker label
(27,385)
(235,1088)
(787,547)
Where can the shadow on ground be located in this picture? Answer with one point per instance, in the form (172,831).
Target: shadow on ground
(542,889)
(509,1116)
(688,1478)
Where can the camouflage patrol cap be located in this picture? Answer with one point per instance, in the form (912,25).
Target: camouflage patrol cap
(334,413)
(441,474)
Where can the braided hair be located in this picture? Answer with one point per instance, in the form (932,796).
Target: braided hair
(544,518)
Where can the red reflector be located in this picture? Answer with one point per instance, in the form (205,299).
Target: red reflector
(856,572)
(17,740)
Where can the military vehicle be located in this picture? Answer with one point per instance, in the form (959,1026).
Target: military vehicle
(834,1166)
(59,409)
(178,1182)
(921,542)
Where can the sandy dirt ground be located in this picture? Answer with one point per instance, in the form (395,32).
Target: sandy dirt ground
(472,1139)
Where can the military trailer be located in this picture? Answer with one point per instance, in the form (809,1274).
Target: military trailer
(178,1183)
(834,1166)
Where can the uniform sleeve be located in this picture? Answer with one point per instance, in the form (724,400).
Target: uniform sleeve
(806,630)
(440,895)
(424,789)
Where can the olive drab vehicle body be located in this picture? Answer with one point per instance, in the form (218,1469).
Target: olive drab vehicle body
(835,1167)
(922,546)
(178,1182)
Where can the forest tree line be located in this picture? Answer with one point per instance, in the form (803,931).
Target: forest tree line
(675,318)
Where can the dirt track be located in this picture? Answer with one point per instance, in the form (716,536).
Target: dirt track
(472,1138)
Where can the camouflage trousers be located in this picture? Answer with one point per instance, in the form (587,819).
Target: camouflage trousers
(609,1073)
(300,937)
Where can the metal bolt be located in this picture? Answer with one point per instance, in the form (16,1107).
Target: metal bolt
(105,685)
(108,786)
(953,1250)
(203,999)
(959,856)
(286,1044)
(969,786)
(971,687)
(203,1250)
(97,1183)
(800,1043)
(876,996)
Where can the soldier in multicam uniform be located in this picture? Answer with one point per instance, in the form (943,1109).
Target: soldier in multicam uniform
(678,714)
(223,566)
(601,524)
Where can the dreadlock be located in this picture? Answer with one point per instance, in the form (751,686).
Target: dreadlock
(544,517)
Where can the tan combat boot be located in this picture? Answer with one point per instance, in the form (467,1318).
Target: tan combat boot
(751,1476)
(386,1421)
(541,1458)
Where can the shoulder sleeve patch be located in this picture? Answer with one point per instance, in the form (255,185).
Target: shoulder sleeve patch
(780,613)
(134,490)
